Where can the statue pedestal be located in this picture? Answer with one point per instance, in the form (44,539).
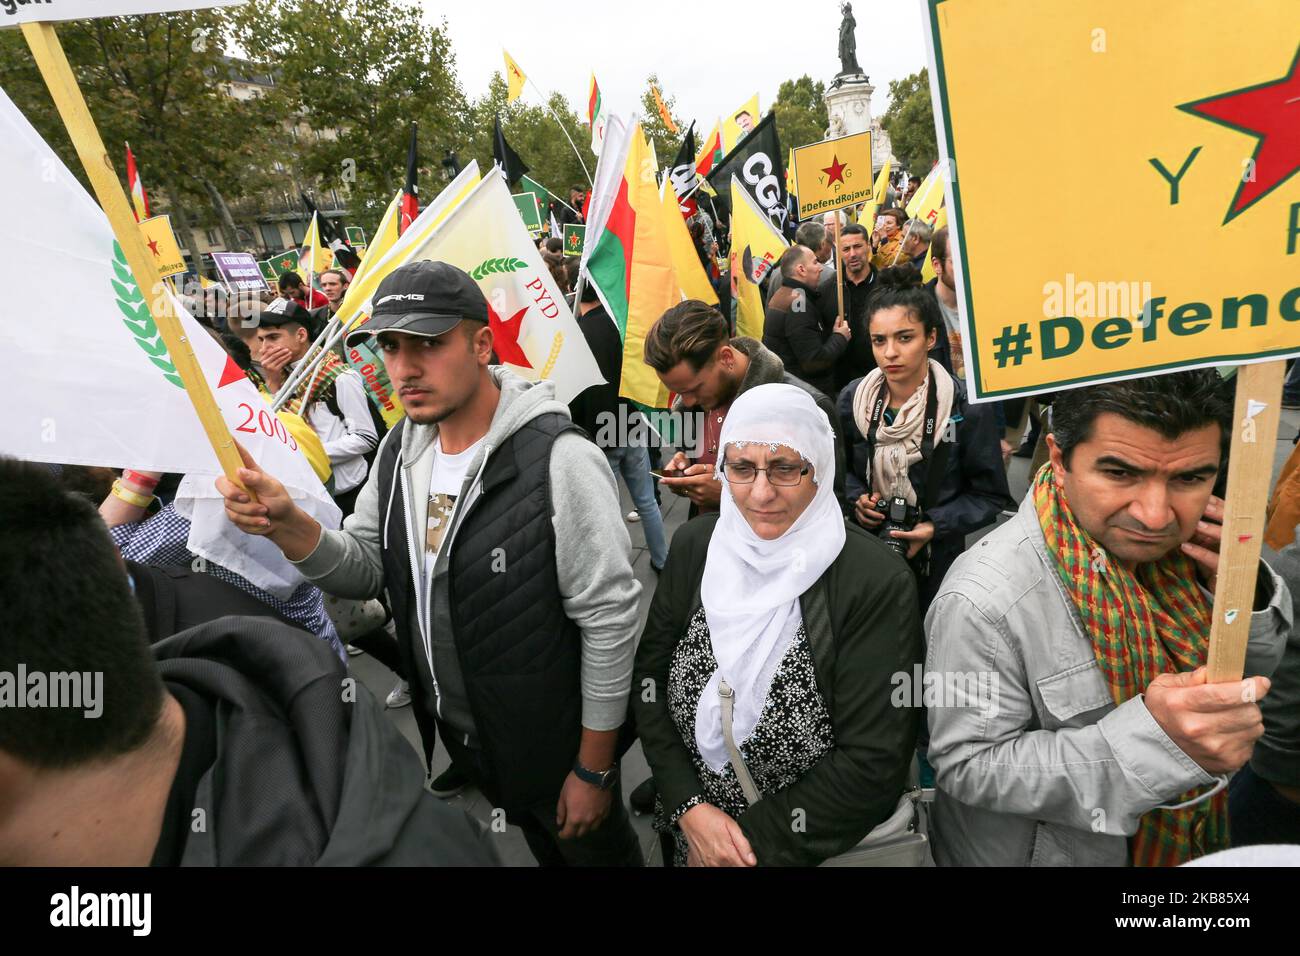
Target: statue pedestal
(848,104)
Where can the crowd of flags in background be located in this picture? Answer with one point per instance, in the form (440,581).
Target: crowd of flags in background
(635,247)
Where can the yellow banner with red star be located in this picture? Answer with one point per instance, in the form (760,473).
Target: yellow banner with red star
(1157,146)
(161,241)
(833,174)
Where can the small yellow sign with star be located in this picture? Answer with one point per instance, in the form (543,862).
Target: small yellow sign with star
(833,174)
(161,242)
(1158,146)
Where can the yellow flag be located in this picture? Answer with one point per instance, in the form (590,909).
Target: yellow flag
(739,124)
(514,78)
(928,199)
(755,248)
(161,240)
(384,236)
(663,111)
(691,278)
(316,257)
(927,270)
(1191,115)
(832,174)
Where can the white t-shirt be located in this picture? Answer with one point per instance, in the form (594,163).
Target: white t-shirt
(444,485)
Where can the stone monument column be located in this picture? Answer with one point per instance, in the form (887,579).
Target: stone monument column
(848,98)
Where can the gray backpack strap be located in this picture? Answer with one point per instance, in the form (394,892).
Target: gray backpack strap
(733,752)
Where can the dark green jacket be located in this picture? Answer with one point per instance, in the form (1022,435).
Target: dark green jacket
(864,627)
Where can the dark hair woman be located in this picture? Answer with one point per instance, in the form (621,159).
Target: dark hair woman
(925,467)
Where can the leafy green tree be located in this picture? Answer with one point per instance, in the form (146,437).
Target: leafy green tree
(350,80)
(666,143)
(910,122)
(801,116)
(534,134)
(156,82)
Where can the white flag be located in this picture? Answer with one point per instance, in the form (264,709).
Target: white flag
(534,331)
(90,380)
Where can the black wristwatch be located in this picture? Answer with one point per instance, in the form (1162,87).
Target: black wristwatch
(601,780)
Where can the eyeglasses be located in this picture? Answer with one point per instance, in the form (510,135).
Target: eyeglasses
(743,473)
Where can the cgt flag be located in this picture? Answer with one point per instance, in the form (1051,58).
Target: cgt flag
(1190,112)
(755,248)
(756,163)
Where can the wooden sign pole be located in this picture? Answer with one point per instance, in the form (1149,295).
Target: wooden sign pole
(1250,468)
(62,84)
(839,267)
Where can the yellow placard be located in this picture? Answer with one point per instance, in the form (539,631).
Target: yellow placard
(1156,161)
(162,244)
(833,174)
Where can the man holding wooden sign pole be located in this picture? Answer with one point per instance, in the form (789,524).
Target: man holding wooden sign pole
(1131,600)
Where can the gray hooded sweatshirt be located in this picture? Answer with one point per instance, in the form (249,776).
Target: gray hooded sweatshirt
(597,587)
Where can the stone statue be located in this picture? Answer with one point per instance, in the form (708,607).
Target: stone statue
(848,44)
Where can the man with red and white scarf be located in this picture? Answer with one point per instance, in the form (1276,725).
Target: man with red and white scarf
(1076,725)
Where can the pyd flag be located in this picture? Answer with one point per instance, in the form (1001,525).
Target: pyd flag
(533,330)
(691,278)
(630,265)
(506,157)
(757,164)
(755,248)
(1203,144)
(139,198)
(711,154)
(740,124)
(514,78)
(315,256)
(662,107)
(597,116)
(683,175)
(109,394)
(411,190)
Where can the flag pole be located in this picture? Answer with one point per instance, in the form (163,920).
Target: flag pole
(55,70)
(547,106)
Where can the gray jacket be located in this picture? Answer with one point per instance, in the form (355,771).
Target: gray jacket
(597,587)
(1277,753)
(1041,768)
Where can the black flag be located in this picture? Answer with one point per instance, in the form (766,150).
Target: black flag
(330,235)
(506,157)
(756,162)
(683,174)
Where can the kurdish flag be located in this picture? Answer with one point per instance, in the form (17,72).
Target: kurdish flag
(139,199)
(597,116)
(630,262)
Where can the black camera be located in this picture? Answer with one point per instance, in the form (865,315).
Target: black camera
(899,516)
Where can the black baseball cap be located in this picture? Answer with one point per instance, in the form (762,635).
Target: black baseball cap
(282,311)
(423,298)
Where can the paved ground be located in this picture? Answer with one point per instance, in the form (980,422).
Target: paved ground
(512,847)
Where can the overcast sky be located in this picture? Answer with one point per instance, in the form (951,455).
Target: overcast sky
(752,46)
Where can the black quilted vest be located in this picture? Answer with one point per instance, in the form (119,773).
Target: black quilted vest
(519,653)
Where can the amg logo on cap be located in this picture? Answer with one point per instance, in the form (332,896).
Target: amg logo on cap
(399,296)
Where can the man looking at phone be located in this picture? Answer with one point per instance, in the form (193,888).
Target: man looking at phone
(494,525)
(691,352)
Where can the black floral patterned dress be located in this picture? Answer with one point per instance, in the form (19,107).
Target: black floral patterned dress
(793,731)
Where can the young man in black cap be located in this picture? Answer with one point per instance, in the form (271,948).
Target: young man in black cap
(333,402)
(495,526)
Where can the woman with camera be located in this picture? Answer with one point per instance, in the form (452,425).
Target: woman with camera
(925,467)
(766,668)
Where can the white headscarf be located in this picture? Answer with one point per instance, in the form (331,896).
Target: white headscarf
(751,587)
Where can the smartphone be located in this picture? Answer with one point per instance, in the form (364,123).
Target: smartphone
(665,473)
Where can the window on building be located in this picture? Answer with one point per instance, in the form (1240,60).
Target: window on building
(271,235)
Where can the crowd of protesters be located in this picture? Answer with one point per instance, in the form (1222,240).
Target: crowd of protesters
(822,642)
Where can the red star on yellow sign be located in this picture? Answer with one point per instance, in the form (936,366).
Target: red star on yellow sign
(1270,111)
(153,247)
(835,171)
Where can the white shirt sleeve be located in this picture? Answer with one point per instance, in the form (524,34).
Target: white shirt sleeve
(360,437)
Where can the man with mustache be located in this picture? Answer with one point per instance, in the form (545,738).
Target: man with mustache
(1092,607)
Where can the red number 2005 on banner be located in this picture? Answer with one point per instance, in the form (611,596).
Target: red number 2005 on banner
(269,424)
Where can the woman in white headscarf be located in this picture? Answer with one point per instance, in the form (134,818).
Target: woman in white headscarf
(764,676)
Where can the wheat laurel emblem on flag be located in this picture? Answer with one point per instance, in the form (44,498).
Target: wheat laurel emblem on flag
(131,301)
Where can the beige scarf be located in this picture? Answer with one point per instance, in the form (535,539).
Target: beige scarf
(898,446)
